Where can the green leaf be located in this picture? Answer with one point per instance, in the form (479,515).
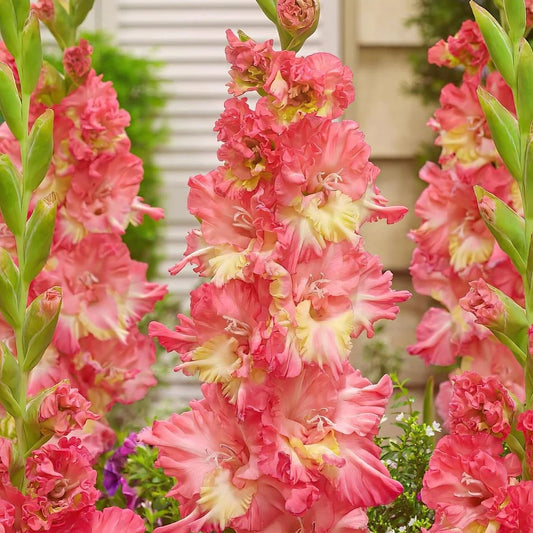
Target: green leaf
(40,150)
(22,11)
(39,233)
(497,41)
(528,181)
(507,226)
(269,9)
(9,380)
(32,55)
(39,326)
(429,407)
(10,105)
(9,285)
(63,27)
(79,9)
(504,130)
(524,87)
(515,13)
(11,196)
(8,27)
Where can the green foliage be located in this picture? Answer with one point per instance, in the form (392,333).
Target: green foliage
(407,458)
(380,356)
(438,20)
(139,92)
(151,485)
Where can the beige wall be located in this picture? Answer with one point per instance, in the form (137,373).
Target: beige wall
(377,47)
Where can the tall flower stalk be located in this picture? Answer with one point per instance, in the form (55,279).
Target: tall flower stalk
(283,437)
(484,173)
(70,296)
(33,325)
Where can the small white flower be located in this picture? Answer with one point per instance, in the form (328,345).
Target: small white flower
(400,417)
(436,426)
(401,529)
(412,521)
(429,431)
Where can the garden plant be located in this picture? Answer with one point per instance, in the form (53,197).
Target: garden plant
(285,436)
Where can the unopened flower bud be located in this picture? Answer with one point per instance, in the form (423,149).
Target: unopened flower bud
(39,234)
(298,16)
(485,305)
(499,313)
(487,208)
(39,326)
(77,61)
(9,280)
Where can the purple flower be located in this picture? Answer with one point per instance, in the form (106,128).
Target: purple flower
(114,466)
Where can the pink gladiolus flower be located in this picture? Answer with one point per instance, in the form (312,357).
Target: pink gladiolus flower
(91,120)
(250,63)
(525,425)
(467,480)
(480,405)
(106,205)
(485,305)
(112,518)
(77,61)
(517,516)
(104,291)
(318,83)
(113,371)
(462,127)
(44,9)
(60,486)
(222,339)
(218,476)
(467,48)
(64,409)
(283,439)
(297,16)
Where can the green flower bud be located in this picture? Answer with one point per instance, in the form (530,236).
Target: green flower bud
(9,284)
(524,87)
(506,226)
(40,149)
(10,104)
(297,21)
(32,55)
(39,233)
(39,326)
(79,10)
(11,196)
(504,129)
(497,41)
(8,27)
(515,13)
(9,380)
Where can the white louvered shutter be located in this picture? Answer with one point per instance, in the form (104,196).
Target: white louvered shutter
(189,37)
